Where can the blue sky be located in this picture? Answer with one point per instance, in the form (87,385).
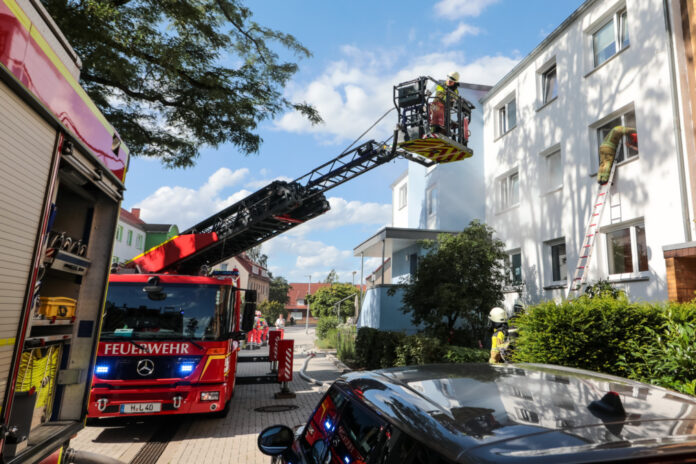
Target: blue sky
(360,50)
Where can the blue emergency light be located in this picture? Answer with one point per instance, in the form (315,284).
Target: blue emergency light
(101,369)
(186,368)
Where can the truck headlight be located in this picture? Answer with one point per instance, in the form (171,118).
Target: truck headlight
(210,396)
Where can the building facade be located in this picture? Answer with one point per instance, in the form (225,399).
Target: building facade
(130,236)
(611,63)
(251,275)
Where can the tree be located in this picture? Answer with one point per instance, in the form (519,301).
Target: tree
(459,279)
(279,290)
(256,256)
(271,310)
(173,76)
(332,277)
(324,300)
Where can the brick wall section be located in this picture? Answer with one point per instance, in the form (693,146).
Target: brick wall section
(681,276)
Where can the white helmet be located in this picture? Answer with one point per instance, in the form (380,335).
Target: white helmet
(453,76)
(497,314)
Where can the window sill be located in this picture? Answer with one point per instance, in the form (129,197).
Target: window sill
(513,288)
(553,190)
(508,209)
(546,104)
(607,61)
(556,285)
(504,134)
(622,163)
(643,276)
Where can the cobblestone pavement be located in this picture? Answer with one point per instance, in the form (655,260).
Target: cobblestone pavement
(228,440)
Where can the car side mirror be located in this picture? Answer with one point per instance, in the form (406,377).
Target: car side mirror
(275,440)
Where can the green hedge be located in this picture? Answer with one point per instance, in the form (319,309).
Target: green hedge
(324,324)
(648,342)
(376,349)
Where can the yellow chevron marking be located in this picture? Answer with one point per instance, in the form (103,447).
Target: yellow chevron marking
(436,149)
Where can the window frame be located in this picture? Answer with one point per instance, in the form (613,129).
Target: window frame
(636,272)
(618,19)
(549,253)
(403,196)
(431,199)
(139,242)
(504,190)
(623,148)
(119,233)
(129,237)
(548,186)
(511,272)
(503,115)
(544,82)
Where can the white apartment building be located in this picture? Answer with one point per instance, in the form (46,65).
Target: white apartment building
(610,63)
(130,236)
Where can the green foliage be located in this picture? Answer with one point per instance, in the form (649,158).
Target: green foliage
(279,290)
(174,76)
(603,288)
(589,333)
(669,357)
(329,342)
(324,300)
(345,346)
(419,349)
(366,346)
(459,279)
(271,310)
(462,354)
(324,324)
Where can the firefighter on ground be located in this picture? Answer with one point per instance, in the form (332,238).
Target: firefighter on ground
(498,319)
(437,107)
(607,150)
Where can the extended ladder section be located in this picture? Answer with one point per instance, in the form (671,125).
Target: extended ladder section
(590,237)
(281,206)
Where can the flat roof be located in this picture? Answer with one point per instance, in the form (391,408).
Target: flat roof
(395,239)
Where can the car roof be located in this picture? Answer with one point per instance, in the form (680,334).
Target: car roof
(527,412)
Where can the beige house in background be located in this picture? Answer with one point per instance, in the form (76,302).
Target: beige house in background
(252,275)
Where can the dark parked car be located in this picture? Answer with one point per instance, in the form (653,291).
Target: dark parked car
(490,413)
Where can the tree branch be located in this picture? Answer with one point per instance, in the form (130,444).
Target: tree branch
(129,92)
(242,31)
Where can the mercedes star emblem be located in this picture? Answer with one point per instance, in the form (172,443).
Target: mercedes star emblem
(145,367)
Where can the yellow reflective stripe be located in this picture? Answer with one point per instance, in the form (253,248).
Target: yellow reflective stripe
(7,341)
(207,363)
(147,251)
(46,48)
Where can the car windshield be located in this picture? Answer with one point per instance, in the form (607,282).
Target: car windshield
(178,311)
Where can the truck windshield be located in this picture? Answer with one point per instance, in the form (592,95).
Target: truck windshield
(178,312)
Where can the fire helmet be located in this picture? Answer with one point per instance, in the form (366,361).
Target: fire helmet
(453,76)
(498,315)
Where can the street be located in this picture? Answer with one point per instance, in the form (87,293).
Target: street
(186,439)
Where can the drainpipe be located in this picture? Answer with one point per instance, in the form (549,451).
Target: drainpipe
(677,124)
(383,242)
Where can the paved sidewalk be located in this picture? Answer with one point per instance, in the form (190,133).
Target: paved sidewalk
(228,440)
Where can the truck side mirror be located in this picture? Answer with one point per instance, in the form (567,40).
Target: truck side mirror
(249,310)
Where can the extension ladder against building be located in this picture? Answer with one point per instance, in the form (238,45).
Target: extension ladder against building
(591,231)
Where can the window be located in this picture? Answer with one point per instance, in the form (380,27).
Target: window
(402,196)
(223,267)
(119,233)
(611,38)
(509,190)
(627,251)
(515,265)
(507,117)
(129,240)
(553,171)
(114,260)
(557,251)
(549,85)
(139,242)
(432,201)
(300,302)
(623,150)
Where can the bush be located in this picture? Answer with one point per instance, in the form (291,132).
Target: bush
(324,324)
(461,354)
(419,349)
(365,348)
(329,341)
(586,333)
(345,347)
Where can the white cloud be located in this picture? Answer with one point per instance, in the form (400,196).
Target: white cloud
(343,213)
(457,34)
(257,184)
(353,92)
(455,9)
(185,206)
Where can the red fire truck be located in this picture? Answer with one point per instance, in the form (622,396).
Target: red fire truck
(171,331)
(62,168)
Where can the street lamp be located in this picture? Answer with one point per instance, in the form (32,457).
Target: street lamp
(354,272)
(309,293)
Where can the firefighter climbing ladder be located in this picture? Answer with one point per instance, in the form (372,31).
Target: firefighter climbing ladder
(591,231)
